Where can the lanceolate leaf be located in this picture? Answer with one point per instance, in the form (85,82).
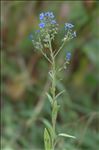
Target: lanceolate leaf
(50,129)
(54,112)
(59,94)
(50,98)
(47,140)
(66,135)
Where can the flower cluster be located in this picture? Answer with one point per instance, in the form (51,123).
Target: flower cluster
(69,31)
(69,35)
(68,26)
(48,25)
(46,18)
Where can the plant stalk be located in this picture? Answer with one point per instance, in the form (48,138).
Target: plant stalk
(53,88)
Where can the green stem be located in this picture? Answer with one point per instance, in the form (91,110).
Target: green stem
(59,49)
(53,88)
(53,70)
(66,38)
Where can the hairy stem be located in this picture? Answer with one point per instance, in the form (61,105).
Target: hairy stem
(59,49)
(53,88)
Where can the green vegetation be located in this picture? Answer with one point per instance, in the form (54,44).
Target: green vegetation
(25,79)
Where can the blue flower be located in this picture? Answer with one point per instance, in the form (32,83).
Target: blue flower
(41,16)
(68,56)
(47,14)
(42,25)
(68,25)
(53,22)
(51,15)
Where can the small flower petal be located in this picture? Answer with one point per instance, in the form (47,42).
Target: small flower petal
(42,25)
(47,14)
(53,22)
(68,25)
(41,16)
(68,56)
(51,15)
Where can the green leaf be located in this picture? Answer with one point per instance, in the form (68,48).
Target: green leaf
(66,135)
(50,98)
(49,127)
(51,74)
(54,112)
(59,94)
(47,141)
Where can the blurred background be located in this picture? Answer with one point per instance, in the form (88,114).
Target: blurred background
(25,78)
